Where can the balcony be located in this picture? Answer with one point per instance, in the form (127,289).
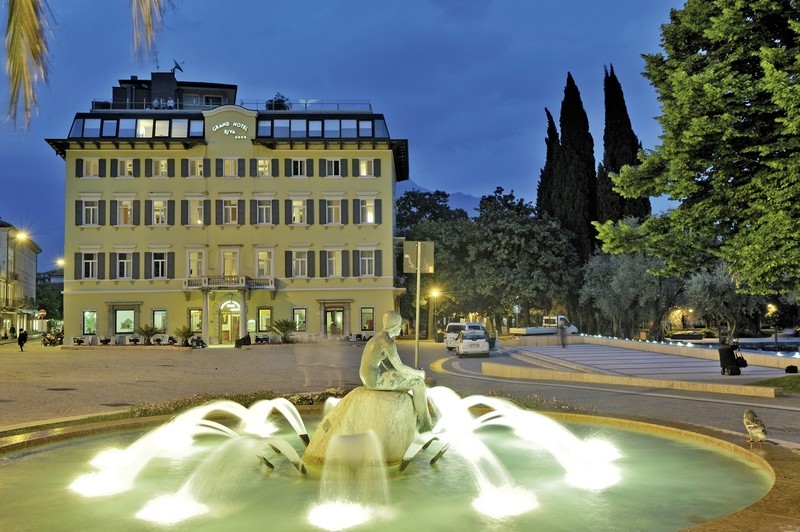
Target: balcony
(228,282)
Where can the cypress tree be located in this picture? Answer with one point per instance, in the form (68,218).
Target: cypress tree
(620,147)
(544,194)
(574,183)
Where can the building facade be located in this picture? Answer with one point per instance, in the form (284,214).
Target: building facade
(184,208)
(19,254)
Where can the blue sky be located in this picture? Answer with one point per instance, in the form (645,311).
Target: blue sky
(465,81)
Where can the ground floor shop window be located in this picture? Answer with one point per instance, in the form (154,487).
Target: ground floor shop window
(196,320)
(160,320)
(123,321)
(89,322)
(299,318)
(264,319)
(367,318)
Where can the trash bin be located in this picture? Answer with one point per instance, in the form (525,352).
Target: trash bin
(439,336)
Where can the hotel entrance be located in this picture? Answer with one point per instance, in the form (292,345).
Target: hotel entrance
(229,315)
(333,322)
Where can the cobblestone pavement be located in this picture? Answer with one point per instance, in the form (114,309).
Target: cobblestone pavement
(45,383)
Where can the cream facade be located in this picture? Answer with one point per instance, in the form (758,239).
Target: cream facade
(18,264)
(185,209)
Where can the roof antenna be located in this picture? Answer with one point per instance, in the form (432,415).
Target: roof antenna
(177,66)
(156,56)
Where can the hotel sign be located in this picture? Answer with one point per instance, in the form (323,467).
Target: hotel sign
(235,129)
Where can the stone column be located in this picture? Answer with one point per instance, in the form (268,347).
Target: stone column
(205,333)
(242,313)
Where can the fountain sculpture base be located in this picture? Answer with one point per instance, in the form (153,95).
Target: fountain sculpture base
(389,414)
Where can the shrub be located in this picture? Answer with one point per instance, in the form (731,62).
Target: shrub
(284,328)
(147,332)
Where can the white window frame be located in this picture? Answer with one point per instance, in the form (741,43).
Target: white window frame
(196,167)
(299,214)
(333,211)
(196,208)
(159,212)
(124,265)
(264,168)
(299,168)
(125,168)
(91,212)
(89,265)
(366,211)
(195,263)
(122,206)
(333,168)
(229,261)
(366,258)
(91,167)
(230,167)
(159,265)
(265,265)
(263,211)
(334,263)
(230,211)
(160,168)
(366,168)
(300,263)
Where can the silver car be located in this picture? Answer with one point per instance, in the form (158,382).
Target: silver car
(472,342)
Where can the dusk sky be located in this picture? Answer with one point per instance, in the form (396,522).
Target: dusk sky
(465,81)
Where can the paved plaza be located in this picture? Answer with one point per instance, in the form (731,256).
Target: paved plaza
(46,383)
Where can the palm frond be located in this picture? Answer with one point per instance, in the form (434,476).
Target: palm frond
(27,28)
(147,16)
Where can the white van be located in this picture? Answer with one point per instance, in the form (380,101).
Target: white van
(455,327)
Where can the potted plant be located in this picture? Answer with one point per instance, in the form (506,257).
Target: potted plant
(147,332)
(183,332)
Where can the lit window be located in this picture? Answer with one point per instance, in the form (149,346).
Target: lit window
(160,212)
(89,322)
(125,212)
(91,210)
(298,212)
(125,167)
(180,128)
(367,263)
(366,168)
(159,265)
(160,320)
(334,264)
(367,318)
(162,128)
(264,264)
(144,128)
(160,168)
(264,168)
(230,168)
(230,212)
(298,168)
(333,168)
(91,168)
(367,211)
(196,212)
(195,263)
(264,212)
(333,211)
(196,320)
(124,265)
(264,319)
(299,318)
(89,266)
(195,168)
(299,264)
(230,262)
(123,321)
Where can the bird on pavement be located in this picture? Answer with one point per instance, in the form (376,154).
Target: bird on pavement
(756,429)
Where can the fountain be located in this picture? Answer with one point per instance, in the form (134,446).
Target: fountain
(221,466)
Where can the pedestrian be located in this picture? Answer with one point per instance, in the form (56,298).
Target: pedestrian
(22,337)
(562,332)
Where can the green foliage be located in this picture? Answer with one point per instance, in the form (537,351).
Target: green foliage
(415,206)
(147,332)
(278,103)
(790,384)
(727,81)
(184,332)
(284,328)
(49,297)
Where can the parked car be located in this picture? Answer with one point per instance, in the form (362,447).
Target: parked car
(472,342)
(455,327)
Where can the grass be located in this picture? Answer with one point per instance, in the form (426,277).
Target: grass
(790,384)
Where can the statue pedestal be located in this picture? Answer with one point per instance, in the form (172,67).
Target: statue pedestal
(389,414)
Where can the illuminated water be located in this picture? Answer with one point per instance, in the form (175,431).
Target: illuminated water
(666,484)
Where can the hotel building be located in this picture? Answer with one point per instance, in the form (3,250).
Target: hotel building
(186,208)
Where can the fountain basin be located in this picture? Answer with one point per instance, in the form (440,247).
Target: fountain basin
(35,480)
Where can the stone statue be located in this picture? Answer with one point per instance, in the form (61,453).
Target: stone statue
(382,369)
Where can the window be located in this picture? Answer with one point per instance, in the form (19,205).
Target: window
(125,167)
(230,168)
(127,127)
(89,322)
(333,211)
(196,128)
(91,212)
(124,321)
(367,211)
(160,212)
(89,266)
(298,128)
(159,265)
(230,212)
(298,168)
(109,128)
(367,318)
(365,128)
(124,265)
(212,101)
(334,264)
(315,128)
(264,212)
(299,318)
(281,128)
(264,319)
(91,127)
(366,168)
(349,129)
(125,212)
(91,168)
(264,264)
(160,168)
(264,128)
(162,128)
(332,130)
(299,212)
(180,128)
(230,262)
(367,263)
(195,263)
(144,128)
(196,212)
(264,168)
(160,320)
(196,320)
(299,263)
(195,168)
(333,168)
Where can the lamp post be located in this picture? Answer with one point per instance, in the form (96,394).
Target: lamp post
(434,295)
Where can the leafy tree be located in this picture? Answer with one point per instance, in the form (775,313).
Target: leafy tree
(620,147)
(574,182)
(713,293)
(414,206)
(727,82)
(279,103)
(27,30)
(49,297)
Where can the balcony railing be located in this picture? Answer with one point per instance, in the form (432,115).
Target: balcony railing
(225,282)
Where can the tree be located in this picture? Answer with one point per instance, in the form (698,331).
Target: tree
(414,206)
(284,328)
(49,297)
(574,186)
(544,191)
(727,82)
(620,147)
(27,30)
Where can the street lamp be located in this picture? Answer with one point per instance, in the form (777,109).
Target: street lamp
(434,295)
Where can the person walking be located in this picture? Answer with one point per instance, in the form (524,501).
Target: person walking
(22,337)
(562,332)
